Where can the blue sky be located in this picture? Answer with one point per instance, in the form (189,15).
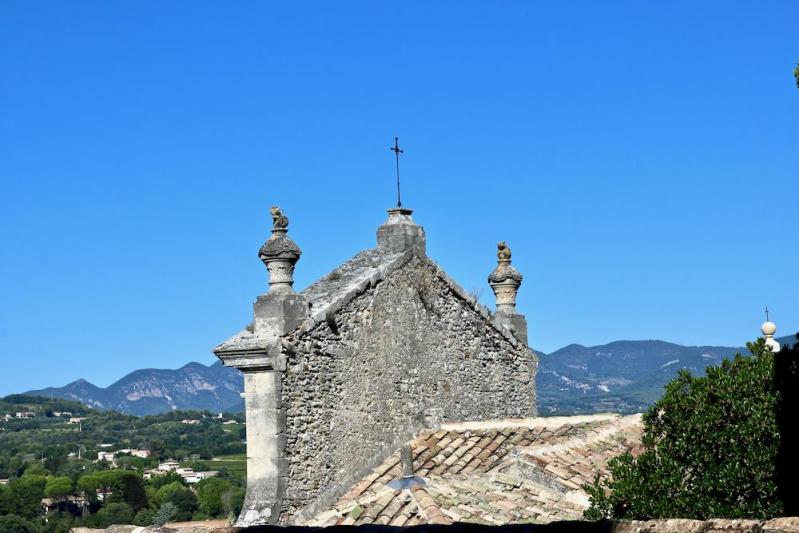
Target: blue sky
(640,159)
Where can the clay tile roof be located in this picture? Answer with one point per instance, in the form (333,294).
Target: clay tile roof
(499,472)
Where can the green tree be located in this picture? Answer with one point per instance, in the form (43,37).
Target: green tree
(165,493)
(209,496)
(710,446)
(132,490)
(26,495)
(58,487)
(60,523)
(165,479)
(115,486)
(36,469)
(144,517)
(233,501)
(17,524)
(164,514)
(186,503)
(112,513)
(6,500)
(55,457)
(183,498)
(796,74)
(157,448)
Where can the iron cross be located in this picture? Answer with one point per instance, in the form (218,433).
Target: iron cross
(766,313)
(397,152)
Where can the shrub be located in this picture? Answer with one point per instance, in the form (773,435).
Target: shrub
(183,499)
(209,496)
(112,513)
(710,447)
(164,514)
(144,517)
(16,524)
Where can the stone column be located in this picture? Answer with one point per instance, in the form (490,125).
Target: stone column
(505,282)
(266,475)
(257,352)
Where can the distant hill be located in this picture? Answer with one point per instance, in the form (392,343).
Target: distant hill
(623,376)
(150,391)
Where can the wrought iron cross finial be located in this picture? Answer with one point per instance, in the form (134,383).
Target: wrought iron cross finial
(766,313)
(397,152)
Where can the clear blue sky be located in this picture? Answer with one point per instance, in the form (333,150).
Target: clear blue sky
(640,159)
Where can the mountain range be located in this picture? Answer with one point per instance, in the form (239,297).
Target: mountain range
(148,391)
(622,376)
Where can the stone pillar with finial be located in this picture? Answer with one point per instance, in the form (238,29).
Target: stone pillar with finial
(257,352)
(281,309)
(505,282)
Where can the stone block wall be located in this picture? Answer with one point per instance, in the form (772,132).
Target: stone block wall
(405,353)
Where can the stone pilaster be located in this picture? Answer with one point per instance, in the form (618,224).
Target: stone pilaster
(266,469)
(257,352)
(505,282)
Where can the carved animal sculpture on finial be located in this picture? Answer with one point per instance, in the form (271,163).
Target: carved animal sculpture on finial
(279,220)
(503,251)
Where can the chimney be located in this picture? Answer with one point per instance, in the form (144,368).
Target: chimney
(400,233)
(409,478)
(505,282)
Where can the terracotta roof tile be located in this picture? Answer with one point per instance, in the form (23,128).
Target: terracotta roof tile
(481,474)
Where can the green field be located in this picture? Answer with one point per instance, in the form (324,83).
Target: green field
(235,463)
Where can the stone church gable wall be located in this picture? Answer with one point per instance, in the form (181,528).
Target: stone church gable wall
(407,352)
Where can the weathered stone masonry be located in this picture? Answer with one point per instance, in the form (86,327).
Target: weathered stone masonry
(406,353)
(337,377)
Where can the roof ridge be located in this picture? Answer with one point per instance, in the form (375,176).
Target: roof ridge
(605,431)
(547,422)
(372,275)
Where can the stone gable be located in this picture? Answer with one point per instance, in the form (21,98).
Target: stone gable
(407,353)
(338,376)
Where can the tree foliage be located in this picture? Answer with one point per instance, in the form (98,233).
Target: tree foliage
(161,480)
(115,486)
(46,456)
(710,448)
(209,496)
(164,514)
(183,498)
(17,524)
(113,513)
(58,487)
(26,495)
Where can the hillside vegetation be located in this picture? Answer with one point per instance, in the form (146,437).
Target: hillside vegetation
(49,449)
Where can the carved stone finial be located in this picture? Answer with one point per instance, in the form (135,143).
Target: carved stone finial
(503,252)
(280,222)
(280,254)
(505,280)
